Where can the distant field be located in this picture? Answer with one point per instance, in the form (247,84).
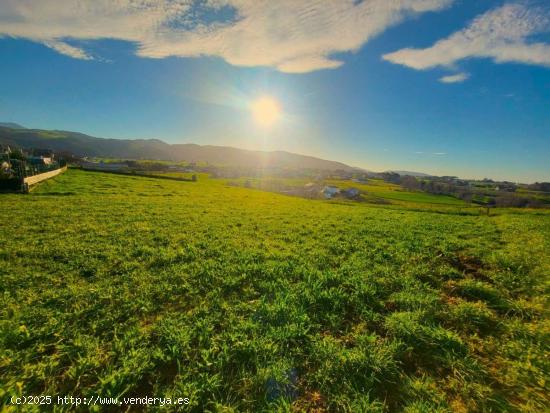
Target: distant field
(374,189)
(245,300)
(385,190)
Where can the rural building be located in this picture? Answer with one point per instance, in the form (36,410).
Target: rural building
(351,193)
(40,160)
(311,190)
(330,191)
(42,157)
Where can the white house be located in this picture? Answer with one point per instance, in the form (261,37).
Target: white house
(330,191)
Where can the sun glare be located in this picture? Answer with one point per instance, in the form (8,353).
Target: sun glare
(266,111)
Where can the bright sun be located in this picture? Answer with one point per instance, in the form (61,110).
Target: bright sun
(266,111)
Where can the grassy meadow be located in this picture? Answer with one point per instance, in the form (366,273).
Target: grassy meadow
(249,301)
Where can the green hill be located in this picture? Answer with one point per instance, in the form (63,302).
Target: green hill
(84,145)
(11,125)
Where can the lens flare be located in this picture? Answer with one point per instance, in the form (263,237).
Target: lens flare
(266,111)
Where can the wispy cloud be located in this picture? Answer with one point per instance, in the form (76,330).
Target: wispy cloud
(289,35)
(500,34)
(67,49)
(440,153)
(458,78)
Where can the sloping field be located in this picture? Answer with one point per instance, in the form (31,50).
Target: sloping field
(243,300)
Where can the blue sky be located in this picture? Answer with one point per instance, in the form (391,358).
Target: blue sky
(439,86)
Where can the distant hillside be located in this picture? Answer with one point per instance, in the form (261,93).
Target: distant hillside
(411,173)
(83,145)
(11,125)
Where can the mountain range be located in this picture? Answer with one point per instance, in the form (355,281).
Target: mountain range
(11,125)
(83,145)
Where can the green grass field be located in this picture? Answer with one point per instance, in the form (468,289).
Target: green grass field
(388,191)
(244,300)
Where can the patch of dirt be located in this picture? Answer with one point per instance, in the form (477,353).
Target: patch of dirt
(311,401)
(470,266)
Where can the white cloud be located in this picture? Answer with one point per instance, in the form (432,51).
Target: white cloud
(440,153)
(500,34)
(67,49)
(290,35)
(459,77)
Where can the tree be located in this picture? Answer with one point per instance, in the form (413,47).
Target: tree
(392,177)
(410,183)
(540,186)
(17,154)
